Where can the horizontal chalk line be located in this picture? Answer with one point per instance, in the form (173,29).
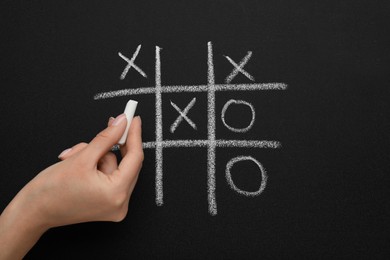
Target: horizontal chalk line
(249,143)
(218,143)
(189,88)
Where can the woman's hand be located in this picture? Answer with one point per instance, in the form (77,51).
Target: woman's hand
(87,185)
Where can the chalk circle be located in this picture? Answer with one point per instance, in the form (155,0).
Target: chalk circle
(242,102)
(229,179)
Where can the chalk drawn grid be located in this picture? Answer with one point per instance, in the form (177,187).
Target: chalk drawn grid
(211,143)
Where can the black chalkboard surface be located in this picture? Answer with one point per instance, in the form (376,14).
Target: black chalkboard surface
(265,123)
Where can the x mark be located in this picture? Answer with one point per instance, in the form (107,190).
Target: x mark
(130,63)
(183,114)
(239,68)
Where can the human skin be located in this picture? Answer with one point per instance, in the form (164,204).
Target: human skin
(86,185)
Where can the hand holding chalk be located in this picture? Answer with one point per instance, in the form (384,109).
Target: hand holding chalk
(87,185)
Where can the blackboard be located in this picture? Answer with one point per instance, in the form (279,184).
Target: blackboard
(320,130)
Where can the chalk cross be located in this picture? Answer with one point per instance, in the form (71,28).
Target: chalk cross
(130,63)
(183,115)
(239,68)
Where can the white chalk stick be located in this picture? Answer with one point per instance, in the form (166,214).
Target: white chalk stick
(129,111)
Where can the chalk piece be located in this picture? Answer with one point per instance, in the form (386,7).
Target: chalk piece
(129,111)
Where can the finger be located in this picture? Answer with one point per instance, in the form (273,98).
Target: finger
(110,120)
(133,158)
(71,151)
(123,148)
(104,141)
(108,163)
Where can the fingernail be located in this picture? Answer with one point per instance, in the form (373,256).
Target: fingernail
(110,120)
(64,152)
(119,119)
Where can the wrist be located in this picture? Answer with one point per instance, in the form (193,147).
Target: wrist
(23,214)
(21,226)
(29,205)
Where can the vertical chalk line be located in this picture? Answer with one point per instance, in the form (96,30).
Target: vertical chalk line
(159,132)
(211,132)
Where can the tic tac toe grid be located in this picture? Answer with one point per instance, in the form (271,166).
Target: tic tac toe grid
(211,142)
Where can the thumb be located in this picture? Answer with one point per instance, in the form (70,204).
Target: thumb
(106,139)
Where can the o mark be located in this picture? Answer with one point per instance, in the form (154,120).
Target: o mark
(229,179)
(238,130)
